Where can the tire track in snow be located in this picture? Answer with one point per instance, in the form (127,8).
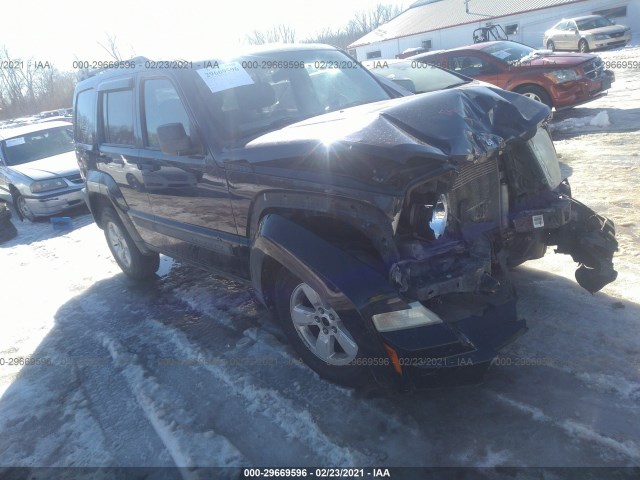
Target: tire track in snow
(573,428)
(188,449)
(281,411)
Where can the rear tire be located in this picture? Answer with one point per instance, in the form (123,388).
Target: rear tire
(131,260)
(535,93)
(318,334)
(551,46)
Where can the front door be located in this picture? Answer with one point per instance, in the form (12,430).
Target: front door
(188,191)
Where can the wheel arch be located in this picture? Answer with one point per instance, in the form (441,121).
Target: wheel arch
(359,219)
(280,242)
(522,86)
(103,192)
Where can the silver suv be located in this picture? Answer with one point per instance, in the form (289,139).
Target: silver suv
(38,169)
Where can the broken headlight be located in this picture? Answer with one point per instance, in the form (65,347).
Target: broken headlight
(439,216)
(541,146)
(429,215)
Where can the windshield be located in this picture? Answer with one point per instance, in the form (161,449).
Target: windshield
(508,52)
(418,77)
(37,145)
(595,22)
(252,95)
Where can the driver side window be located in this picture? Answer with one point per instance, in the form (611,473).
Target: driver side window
(162,106)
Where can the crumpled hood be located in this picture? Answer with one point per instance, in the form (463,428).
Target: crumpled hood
(556,60)
(459,124)
(61,165)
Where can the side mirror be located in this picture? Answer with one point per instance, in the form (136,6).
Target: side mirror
(173,139)
(406,84)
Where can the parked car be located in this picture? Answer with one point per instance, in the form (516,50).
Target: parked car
(416,76)
(379,230)
(557,80)
(7,229)
(38,169)
(584,34)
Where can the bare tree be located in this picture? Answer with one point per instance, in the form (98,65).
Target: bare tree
(362,23)
(111,47)
(281,33)
(366,21)
(28,87)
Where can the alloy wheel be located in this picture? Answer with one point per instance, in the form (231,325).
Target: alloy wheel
(320,328)
(119,244)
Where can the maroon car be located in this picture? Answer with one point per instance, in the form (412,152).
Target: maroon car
(560,80)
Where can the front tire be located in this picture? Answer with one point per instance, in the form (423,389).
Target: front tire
(535,93)
(23,209)
(551,46)
(131,260)
(583,46)
(318,334)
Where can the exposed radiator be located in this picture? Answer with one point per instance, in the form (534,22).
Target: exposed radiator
(475,196)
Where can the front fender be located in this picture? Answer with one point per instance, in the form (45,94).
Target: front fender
(344,281)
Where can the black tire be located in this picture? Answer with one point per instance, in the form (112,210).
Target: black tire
(583,46)
(344,368)
(22,208)
(536,93)
(131,260)
(7,231)
(551,46)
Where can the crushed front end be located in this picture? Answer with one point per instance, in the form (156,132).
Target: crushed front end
(461,231)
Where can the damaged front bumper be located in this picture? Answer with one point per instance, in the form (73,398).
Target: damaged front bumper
(453,353)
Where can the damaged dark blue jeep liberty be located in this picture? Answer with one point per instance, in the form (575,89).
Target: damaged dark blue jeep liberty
(379,229)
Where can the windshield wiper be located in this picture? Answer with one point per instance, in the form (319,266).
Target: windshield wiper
(463,82)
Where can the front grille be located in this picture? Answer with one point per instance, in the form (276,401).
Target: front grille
(616,35)
(475,195)
(593,69)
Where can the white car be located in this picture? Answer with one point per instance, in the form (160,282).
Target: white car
(587,33)
(38,169)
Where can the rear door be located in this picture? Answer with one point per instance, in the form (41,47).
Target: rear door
(118,151)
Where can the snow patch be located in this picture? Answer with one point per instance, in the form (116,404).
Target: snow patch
(601,120)
(186,447)
(623,387)
(574,428)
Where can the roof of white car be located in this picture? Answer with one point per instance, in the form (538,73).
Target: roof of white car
(34,127)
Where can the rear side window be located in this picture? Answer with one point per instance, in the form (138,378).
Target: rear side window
(85,123)
(162,106)
(469,65)
(117,117)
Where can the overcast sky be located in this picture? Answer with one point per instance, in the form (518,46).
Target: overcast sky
(63,30)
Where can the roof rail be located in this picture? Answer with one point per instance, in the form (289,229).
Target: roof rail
(139,60)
